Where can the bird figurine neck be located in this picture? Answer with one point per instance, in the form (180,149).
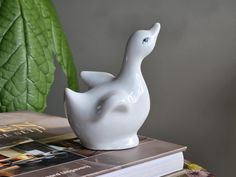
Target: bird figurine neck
(139,45)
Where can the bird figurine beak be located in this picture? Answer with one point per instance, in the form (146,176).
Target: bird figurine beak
(155,29)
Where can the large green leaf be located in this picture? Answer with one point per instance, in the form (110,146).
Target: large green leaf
(30,37)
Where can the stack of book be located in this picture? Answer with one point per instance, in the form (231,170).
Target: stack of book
(41,145)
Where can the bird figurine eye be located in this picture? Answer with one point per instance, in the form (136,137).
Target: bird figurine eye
(145,40)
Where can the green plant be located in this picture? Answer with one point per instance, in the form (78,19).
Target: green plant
(30,37)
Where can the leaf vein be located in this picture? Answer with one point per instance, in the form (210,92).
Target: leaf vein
(10,79)
(9,27)
(11,55)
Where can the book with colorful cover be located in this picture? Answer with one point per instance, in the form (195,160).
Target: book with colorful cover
(41,145)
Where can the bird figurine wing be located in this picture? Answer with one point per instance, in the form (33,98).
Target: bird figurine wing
(113,102)
(94,78)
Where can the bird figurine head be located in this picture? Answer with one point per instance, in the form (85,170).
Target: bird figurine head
(142,42)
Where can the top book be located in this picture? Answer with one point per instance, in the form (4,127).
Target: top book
(19,127)
(33,144)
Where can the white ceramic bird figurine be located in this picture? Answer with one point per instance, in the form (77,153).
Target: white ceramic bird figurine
(109,115)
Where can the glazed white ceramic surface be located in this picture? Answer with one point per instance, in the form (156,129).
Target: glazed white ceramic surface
(109,115)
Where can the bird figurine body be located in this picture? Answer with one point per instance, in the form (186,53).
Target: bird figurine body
(109,115)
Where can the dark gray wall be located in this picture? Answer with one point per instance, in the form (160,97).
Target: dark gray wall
(191,74)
